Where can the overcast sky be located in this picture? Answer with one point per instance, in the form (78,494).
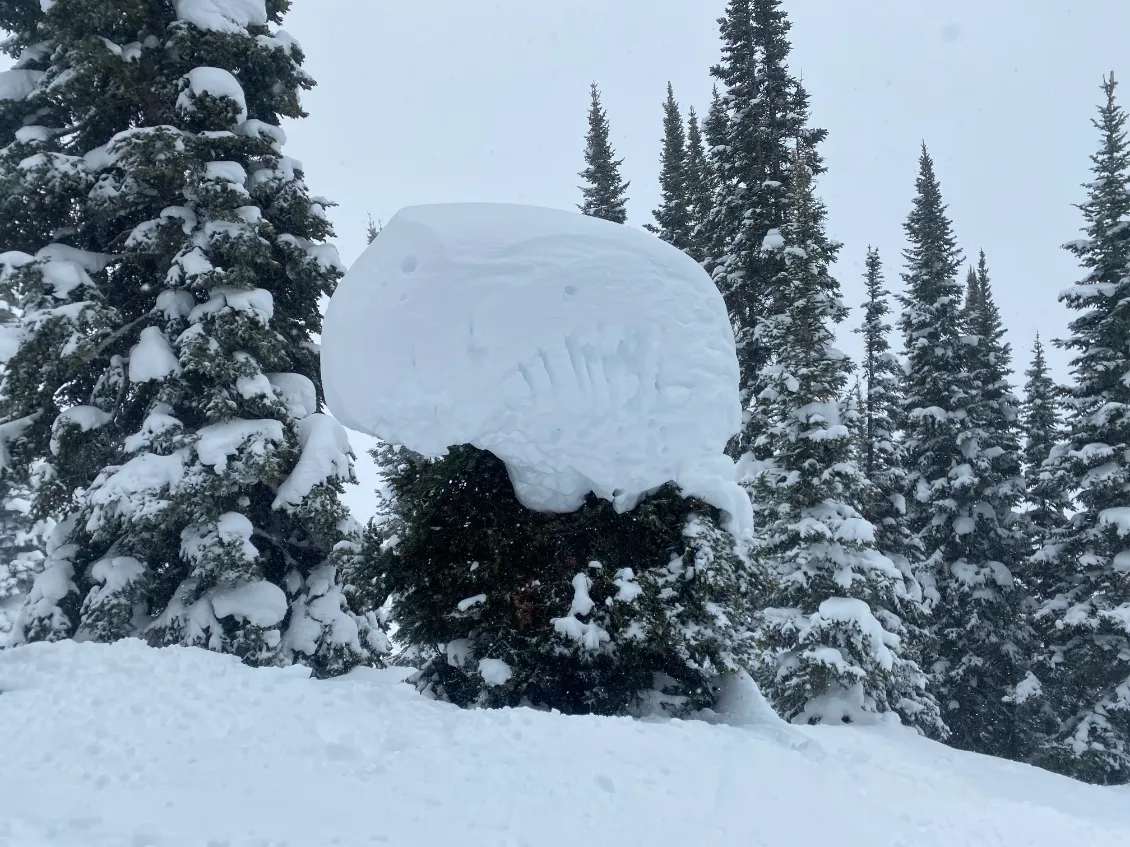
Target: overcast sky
(447,100)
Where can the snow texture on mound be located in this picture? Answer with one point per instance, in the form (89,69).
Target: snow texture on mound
(119,745)
(586,355)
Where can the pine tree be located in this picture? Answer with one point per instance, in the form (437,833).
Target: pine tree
(962,501)
(884,459)
(169,269)
(604,191)
(586,612)
(673,217)
(700,187)
(835,627)
(997,409)
(709,235)
(1086,621)
(766,114)
(1047,491)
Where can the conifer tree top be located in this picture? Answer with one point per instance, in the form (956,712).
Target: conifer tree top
(604,190)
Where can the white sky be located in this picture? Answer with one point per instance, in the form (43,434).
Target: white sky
(447,100)
(444,100)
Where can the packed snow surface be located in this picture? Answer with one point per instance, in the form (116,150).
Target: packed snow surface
(126,746)
(587,355)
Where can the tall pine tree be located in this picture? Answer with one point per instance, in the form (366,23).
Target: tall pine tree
(1047,491)
(1086,621)
(884,458)
(699,187)
(960,507)
(604,191)
(169,267)
(835,627)
(673,217)
(766,114)
(996,410)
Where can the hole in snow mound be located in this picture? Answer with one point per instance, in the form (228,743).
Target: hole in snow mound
(409,264)
(570,289)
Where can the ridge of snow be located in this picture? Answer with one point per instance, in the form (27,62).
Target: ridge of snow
(181,731)
(233,16)
(326,455)
(18,83)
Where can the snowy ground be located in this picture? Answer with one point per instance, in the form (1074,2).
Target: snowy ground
(124,745)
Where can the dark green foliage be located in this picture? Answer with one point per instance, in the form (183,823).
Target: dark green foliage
(476,576)
(604,190)
(1047,490)
(1085,619)
(673,217)
(765,113)
(699,187)
(962,494)
(884,460)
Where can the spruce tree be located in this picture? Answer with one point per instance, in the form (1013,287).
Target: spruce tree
(604,190)
(766,114)
(586,612)
(699,187)
(962,503)
(835,625)
(1046,489)
(996,409)
(673,217)
(1086,621)
(708,230)
(169,265)
(884,457)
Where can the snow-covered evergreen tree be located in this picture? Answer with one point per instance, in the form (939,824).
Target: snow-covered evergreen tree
(1047,489)
(673,217)
(766,114)
(1086,620)
(709,239)
(962,503)
(604,191)
(586,612)
(835,626)
(992,369)
(884,459)
(700,185)
(169,267)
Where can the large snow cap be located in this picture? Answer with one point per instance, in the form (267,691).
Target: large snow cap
(586,355)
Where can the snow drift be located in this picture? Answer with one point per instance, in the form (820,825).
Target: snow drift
(126,746)
(586,355)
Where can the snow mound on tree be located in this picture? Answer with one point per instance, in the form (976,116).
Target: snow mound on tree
(586,355)
(127,745)
(223,15)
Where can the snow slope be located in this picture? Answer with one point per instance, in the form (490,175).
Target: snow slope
(131,747)
(588,356)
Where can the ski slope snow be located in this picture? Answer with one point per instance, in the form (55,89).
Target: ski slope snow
(587,355)
(126,746)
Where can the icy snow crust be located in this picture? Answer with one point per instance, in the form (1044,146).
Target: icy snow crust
(586,355)
(117,745)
